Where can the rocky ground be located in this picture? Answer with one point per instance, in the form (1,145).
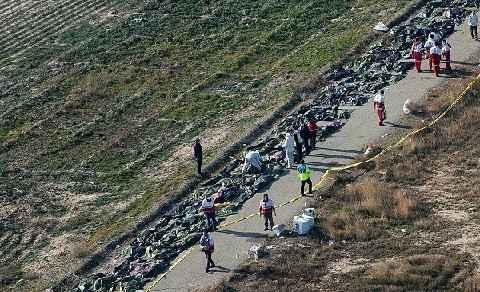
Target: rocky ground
(408,222)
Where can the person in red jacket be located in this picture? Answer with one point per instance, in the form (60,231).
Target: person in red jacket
(435,57)
(379,106)
(312,133)
(446,54)
(266,209)
(417,53)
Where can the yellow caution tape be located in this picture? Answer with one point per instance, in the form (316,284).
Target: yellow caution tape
(323,178)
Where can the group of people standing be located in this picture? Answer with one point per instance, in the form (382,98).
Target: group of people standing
(432,50)
(305,137)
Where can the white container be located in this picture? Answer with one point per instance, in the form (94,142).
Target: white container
(303,224)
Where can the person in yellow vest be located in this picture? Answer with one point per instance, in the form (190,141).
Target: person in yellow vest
(304,175)
(266,209)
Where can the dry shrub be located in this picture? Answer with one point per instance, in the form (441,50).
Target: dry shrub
(346,224)
(81,249)
(378,199)
(417,272)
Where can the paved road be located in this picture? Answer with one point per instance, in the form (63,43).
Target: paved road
(233,243)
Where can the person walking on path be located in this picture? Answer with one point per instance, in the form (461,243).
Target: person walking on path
(304,175)
(446,54)
(289,147)
(379,106)
(267,209)
(208,208)
(472,21)
(253,162)
(430,43)
(305,138)
(208,246)
(298,146)
(435,57)
(312,133)
(417,53)
(198,155)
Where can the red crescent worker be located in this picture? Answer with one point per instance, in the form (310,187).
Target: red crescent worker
(435,57)
(379,106)
(266,209)
(446,49)
(430,43)
(416,53)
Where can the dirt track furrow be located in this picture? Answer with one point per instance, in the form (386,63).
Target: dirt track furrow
(23,18)
(58,20)
(11,18)
(8,5)
(39,40)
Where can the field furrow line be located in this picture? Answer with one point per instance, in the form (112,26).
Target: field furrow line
(10,20)
(55,18)
(44,14)
(46,33)
(4,62)
(8,5)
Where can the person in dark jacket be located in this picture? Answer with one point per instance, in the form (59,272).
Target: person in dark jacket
(198,155)
(305,138)
(298,146)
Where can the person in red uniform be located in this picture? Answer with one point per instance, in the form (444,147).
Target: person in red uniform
(379,106)
(417,53)
(266,209)
(435,57)
(312,133)
(208,208)
(207,244)
(430,43)
(446,54)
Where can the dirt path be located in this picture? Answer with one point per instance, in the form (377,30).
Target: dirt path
(233,243)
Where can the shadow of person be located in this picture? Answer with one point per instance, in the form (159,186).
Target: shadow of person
(397,125)
(243,234)
(219,269)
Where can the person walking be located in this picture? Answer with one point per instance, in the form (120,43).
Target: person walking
(430,43)
(417,53)
(312,133)
(267,209)
(446,54)
(305,138)
(472,21)
(303,173)
(208,208)
(298,146)
(208,246)
(435,57)
(379,106)
(289,147)
(198,155)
